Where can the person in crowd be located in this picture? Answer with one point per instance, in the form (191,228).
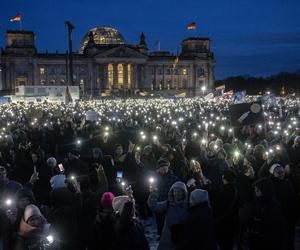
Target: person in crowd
(199,228)
(288,200)
(226,211)
(267,228)
(103,232)
(196,178)
(34,231)
(129,233)
(7,187)
(175,210)
(165,180)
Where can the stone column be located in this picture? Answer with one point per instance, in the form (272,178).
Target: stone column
(115,77)
(125,75)
(34,73)
(135,77)
(96,78)
(89,84)
(105,77)
(13,75)
(210,77)
(7,84)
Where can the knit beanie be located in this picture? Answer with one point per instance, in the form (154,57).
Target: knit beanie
(272,168)
(199,196)
(107,199)
(162,162)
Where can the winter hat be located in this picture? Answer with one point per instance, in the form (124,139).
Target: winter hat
(147,150)
(199,196)
(162,162)
(229,176)
(30,211)
(57,181)
(25,192)
(119,202)
(51,162)
(272,168)
(107,199)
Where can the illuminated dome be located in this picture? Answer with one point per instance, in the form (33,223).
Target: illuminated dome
(102,36)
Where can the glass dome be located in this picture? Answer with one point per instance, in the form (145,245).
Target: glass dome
(102,36)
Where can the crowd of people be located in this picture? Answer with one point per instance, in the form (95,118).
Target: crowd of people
(88,175)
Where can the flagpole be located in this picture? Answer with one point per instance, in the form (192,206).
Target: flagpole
(21,24)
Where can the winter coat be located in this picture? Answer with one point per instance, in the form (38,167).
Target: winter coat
(226,208)
(199,232)
(129,233)
(31,238)
(103,231)
(176,214)
(64,217)
(267,227)
(164,183)
(288,200)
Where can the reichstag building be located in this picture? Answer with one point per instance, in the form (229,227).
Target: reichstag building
(106,64)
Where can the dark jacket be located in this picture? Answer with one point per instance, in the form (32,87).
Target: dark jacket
(267,226)
(129,232)
(199,229)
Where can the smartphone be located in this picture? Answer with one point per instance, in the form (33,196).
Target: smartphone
(61,167)
(119,174)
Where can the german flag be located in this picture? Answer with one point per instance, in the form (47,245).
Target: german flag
(17,18)
(192,26)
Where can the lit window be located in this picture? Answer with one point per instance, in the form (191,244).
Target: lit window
(184,72)
(42,71)
(129,70)
(81,83)
(110,76)
(120,75)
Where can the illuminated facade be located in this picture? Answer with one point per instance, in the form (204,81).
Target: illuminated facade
(106,64)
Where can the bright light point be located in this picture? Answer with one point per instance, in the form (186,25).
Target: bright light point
(155,138)
(222,128)
(151,180)
(78,142)
(123,183)
(50,239)
(236,154)
(8,202)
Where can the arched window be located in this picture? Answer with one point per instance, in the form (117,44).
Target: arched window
(120,75)
(129,70)
(110,76)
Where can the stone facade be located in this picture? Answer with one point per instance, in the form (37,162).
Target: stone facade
(107,64)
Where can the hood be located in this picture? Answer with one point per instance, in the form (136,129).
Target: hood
(181,186)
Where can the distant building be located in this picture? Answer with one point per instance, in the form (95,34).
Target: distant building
(106,64)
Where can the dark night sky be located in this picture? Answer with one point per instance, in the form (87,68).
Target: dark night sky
(249,37)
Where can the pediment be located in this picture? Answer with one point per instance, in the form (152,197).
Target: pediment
(121,52)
